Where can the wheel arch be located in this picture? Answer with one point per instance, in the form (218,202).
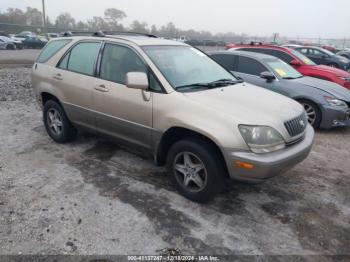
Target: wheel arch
(175,134)
(46,96)
(317,104)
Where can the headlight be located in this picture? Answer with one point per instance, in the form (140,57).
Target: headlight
(335,102)
(261,139)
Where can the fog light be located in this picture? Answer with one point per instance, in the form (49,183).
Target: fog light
(244,165)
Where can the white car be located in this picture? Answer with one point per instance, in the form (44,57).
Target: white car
(7,43)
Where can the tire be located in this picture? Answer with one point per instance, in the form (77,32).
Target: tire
(199,153)
(57,124)
(312,109)
(10,47)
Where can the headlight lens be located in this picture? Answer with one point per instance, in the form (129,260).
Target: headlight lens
(262,139)
(335,102)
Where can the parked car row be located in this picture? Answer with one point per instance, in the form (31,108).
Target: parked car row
(326,103)
(300,62)
(25,39)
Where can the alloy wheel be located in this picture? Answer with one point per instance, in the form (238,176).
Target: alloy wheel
(54,121)
(310,112)
(190,171)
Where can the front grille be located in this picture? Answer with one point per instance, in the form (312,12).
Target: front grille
(295,141)
(297,125)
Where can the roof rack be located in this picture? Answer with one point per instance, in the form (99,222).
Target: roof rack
(128,33)
(103,33)
(77,33)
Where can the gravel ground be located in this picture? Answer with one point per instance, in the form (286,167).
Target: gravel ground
(94,197)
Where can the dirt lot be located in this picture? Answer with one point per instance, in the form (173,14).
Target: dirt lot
(94,197)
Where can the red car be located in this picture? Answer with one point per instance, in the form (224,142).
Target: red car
(300,62)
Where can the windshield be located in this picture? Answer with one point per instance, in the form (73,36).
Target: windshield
(303,58)
(282,69)
(185,66)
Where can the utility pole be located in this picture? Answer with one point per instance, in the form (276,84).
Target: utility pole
(44,16)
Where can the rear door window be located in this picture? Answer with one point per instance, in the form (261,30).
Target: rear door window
(250,66)
(81,58)
(51,49)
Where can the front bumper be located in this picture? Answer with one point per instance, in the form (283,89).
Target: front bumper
(270,164)
(334,117)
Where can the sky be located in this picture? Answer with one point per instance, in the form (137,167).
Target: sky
(293,18)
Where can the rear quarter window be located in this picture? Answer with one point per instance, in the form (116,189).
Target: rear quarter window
(51,49)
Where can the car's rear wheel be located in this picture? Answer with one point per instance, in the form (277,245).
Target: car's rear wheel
(313,113)
(195,169)
(57,124)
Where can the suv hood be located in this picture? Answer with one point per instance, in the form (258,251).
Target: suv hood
(333,70)
(249,104)
(326,86)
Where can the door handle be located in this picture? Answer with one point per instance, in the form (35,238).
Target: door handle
(58,76)
(101,88)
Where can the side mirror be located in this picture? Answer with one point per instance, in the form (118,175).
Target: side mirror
(268,76)
(295,63)
(137,80)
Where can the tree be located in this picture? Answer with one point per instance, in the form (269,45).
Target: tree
(81,26)
(154,30)
(139,27)
(13,16)
(33,16)
(65,21)
(113,16)
(98,23)
(169,30)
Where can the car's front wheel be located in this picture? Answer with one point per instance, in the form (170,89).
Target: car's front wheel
(195,169)
(57,124)
(313,113)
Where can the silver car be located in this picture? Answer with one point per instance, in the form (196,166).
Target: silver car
(7,43)
(326,103)
(173,101)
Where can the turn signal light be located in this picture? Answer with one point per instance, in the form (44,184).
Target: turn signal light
(244,165)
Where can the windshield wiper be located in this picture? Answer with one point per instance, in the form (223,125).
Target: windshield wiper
(213,84)
(225,82)
(194,85)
